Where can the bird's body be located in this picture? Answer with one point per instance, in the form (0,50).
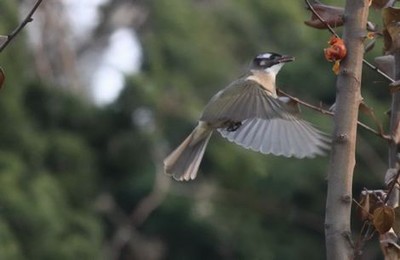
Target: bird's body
(249,113)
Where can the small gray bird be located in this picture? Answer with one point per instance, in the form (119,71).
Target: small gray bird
(249,113)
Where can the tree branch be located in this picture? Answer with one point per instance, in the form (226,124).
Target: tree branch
(327,112)
(334,33)
(27,20)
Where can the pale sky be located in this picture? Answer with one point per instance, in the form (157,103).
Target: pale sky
(122,56)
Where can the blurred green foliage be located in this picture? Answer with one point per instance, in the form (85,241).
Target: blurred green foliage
(59,154)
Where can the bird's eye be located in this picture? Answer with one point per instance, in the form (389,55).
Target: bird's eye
(262,62)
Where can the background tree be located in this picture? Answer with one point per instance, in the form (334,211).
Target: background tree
(79,181)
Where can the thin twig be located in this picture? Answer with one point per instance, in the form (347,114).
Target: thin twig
(27,20)
(332,31)
(327,112)
(361,207)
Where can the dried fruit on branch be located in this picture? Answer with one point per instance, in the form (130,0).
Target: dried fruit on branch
(335,52)
(332,15)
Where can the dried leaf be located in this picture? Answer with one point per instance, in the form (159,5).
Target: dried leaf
(380,4)
(389,246)
(396,133)
(390,175)
(386,64)
(396,223)
(383,219)
(336,67)
(364,211)
(369,201)
(332,15)
(391,32)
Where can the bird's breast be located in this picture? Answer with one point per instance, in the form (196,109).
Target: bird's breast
(265,80)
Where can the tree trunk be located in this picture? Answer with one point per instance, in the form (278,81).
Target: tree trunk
(342,161)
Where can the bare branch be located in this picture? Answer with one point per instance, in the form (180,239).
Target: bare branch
(27,20)
(327,112)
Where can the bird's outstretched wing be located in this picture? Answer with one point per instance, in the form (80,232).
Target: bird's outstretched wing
(242,99)
(268,125)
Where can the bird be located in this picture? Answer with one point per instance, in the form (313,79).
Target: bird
(250,113)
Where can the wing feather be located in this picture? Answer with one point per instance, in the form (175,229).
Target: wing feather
(269,125)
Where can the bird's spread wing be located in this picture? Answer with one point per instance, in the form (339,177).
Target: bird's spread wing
(289,138)
(241,100)
(268,125)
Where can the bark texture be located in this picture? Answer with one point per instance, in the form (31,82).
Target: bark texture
(342,161)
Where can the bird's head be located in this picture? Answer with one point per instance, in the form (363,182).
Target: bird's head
(270,62)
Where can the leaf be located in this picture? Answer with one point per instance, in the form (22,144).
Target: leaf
(391,32)
(369,201)
(386,64)
(390,176)
(383,219)
(332,15)
(336,67)
(396,223)
(396,133)
(365,206)
(380,4)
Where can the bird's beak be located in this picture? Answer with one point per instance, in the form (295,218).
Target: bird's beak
(285,58)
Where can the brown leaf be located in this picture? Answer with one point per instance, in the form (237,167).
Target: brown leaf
(396,223)
(396,133)
(332,15)
(391,32)
(383,219)
(369,201)
(389,246)
(364,211)
(336,67)
(379,4)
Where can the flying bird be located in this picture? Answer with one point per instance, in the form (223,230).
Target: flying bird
(249,113)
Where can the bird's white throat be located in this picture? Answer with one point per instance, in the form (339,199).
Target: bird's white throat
(274,69)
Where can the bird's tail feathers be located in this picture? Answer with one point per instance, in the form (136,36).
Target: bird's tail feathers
(183,163)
